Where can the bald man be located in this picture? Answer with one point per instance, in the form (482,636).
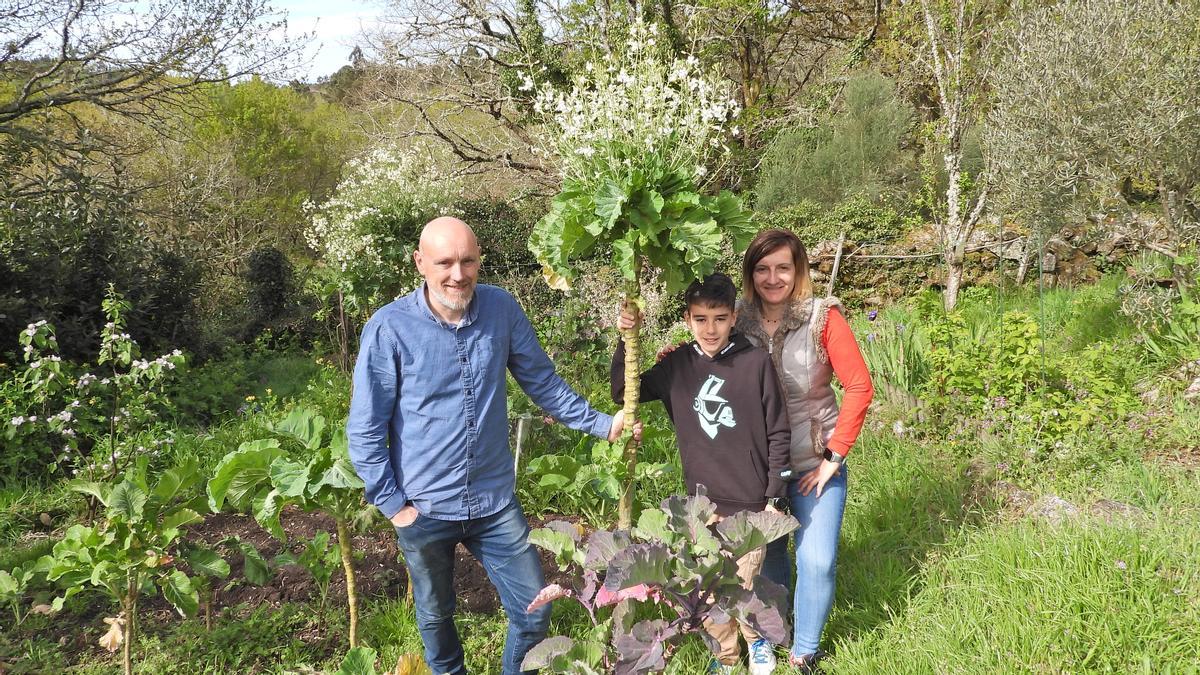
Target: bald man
(428,433)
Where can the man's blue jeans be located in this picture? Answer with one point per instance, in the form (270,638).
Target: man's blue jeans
(816,559)
(501,543)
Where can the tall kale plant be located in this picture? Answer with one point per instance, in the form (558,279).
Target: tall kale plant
(633,137)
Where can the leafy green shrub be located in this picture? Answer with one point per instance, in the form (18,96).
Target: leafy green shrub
(857,151)
(503,228)
(1047,404)
(588,481)
(93,420)
(130,550)
(260,475)
(862,219)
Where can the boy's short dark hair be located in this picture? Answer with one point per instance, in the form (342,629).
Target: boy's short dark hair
(714,290)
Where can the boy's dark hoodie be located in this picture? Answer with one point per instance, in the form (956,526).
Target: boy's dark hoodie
(730,420)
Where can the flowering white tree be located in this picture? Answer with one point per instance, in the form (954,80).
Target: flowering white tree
(633,138)
(367,229)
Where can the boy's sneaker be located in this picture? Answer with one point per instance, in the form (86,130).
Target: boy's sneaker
(762,658)
(715,667)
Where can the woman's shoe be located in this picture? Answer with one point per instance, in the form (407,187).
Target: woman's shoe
(807,664)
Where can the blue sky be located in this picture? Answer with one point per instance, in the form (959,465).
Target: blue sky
(336,23)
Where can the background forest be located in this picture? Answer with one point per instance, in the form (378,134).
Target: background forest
(1005,194)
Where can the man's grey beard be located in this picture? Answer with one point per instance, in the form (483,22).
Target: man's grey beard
(452,305)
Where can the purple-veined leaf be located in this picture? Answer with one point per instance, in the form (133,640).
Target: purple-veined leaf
(543,653)
(643,648)
(746,531)
(639,564)
(602,545)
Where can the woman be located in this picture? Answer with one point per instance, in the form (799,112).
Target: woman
(810,342)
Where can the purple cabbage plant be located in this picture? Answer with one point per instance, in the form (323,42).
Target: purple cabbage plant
(678,565)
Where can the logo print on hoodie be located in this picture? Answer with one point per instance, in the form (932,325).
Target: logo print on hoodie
(714,412)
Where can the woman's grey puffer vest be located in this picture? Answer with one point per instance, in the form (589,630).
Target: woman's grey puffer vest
(804,370)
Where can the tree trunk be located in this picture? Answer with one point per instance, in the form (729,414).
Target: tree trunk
(954,275)
(343,533)
(343,335)
(632,337)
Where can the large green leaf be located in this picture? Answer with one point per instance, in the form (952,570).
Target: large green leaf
(242,473)
(358,661)
(602,545)
(290,479)
(639,564)
(304,425)
(340,476)
(561,234)
(746,531)
(625,258)
(646,212)
(180,518)
(8,584)
(735,220)
(177,588)
(172,481)
(698,237)
(206,561)
(98,490)
(561,543)
(610,201)
(266,512)
(543,653)
(126,502)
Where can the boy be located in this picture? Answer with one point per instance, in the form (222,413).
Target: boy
(730,418)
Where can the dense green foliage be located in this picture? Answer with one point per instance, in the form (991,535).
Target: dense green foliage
(855,151)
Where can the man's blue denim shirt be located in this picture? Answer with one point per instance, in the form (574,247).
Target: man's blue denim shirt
(429,412)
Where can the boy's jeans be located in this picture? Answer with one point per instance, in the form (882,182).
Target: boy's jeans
(501,543)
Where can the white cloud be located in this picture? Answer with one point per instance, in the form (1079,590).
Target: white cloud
(335,32)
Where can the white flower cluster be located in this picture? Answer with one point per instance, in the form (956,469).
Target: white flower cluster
(411,180)
(165,361)
(634,109)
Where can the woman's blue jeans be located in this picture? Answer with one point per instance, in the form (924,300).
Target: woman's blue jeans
(501,543)
(816,559)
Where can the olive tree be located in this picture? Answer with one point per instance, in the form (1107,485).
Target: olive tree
(1090,92)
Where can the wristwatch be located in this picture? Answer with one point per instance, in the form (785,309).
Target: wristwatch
(831,456)
(780,504)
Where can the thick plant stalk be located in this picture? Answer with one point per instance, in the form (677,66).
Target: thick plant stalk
(343,533)
(633,350)
(129,604)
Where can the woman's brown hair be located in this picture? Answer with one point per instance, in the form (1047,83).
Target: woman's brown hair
(766,243)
